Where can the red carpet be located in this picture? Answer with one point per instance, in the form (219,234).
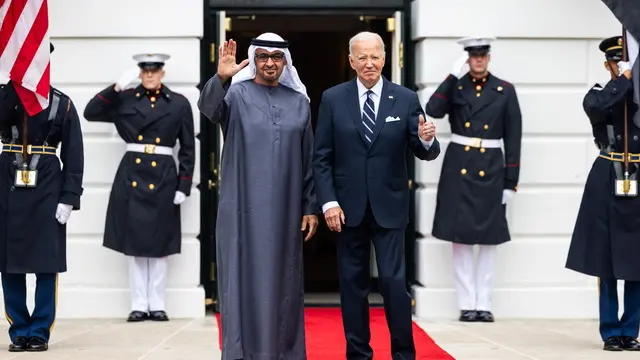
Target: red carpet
(325,337)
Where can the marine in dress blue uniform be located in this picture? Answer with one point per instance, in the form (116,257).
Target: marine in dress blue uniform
(36,200)
(143,216)
(477,179)
(606,237)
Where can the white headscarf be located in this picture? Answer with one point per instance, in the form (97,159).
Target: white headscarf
(289,76)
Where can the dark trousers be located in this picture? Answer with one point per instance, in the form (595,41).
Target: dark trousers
(354,253)
(40,323)
(610,324)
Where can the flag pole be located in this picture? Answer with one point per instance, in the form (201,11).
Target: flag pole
(627,183)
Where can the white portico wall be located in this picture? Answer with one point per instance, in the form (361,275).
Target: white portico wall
(94,42)
(549,50)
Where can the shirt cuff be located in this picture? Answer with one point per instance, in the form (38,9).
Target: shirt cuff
(329,205)
(426,144)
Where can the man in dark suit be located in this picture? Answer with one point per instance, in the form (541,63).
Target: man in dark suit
(364,128)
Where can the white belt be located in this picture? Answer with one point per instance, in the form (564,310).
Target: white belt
(475,142)
(150,149)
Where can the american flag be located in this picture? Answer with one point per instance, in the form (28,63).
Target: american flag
(24,51)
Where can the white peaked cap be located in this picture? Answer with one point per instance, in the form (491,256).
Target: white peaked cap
(476,43)
(151,58)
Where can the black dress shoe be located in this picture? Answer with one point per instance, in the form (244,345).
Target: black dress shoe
(37,344)
(19,345)
(136,316)
(614,343)
(158,316)
(630,344)
(468,316)
(485,316)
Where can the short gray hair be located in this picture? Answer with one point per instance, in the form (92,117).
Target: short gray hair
(364,36)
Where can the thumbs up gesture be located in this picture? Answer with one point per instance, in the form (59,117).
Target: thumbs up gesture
(426,130)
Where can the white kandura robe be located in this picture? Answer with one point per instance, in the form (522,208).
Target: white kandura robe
(266,187)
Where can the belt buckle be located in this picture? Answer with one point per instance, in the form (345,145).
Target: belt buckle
(149,149)
(29,149)
(476,142)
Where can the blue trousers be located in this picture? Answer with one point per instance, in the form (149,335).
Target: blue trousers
(610,324)
(21,323)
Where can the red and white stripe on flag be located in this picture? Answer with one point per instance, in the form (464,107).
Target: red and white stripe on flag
(24,51)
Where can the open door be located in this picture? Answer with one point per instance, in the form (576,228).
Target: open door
(394,25)
(223,25)
(406,71)
(210,149)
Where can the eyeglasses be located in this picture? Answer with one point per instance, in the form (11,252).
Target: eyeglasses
(276,57)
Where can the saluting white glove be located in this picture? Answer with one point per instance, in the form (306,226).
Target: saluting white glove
(623,66)
(179,198)
(127,78)
(459,65)
(63,212)
(507,195)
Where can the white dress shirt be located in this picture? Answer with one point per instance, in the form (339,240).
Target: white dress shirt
(362,97)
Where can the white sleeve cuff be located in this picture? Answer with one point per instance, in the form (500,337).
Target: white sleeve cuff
(329,205)
(426,144)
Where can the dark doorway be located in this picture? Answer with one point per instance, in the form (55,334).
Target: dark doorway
(319,49)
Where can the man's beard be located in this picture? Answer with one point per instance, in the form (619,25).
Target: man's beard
(270,78)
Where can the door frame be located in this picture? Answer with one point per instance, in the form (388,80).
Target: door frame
(210,135)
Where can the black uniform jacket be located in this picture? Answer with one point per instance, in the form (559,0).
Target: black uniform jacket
(141,218)
(606,237)
(469,206)
(31,239)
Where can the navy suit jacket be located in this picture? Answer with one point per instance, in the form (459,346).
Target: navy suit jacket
(349,170)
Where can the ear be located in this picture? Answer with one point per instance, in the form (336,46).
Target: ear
(606,66)
(351,62)
(162,74)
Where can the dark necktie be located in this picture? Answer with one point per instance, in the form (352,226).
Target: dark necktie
(369,116)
